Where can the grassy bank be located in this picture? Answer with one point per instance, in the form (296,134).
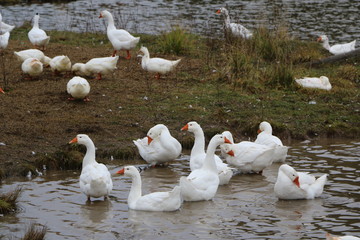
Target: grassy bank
(224,84)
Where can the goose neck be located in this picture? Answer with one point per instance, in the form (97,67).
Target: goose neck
(326,44)
(199,143)
(36,22)
(111,24)
(209,162)
(135,190)
(89,157)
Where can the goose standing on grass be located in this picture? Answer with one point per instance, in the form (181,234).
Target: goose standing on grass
(291,184)
(78,88)
(158,146)
(119,38)
(37,36)
(265,137)
(32,53)
(4,28)
(315,82)
(202,183)
(156,201)
(157,65)
(337,48)
(248,157)
(235,29)
(348,237)
(95,178)
(198,154)
(96,66)
(60,64)
(32,67)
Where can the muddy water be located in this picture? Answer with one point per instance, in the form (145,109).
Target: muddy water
(245,209)
(305,19)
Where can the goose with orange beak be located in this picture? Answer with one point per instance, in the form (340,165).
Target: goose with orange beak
(158,146)
(95,178)
(291,184)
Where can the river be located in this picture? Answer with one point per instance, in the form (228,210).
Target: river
(304,19)
(246,208)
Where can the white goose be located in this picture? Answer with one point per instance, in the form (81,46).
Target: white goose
(297,185)
(248,156)
(158,146)
(119,38)
(4,40)
(32,53)
(348,237)
(37,36)
(202,183)
(337,48)
(314,82)
(97,66)
(198,154)
(60,64)
(157,65)
(265,137)
(32,67)
(78,88)
(95,178)
(235,28)
(4,28)
(156,201)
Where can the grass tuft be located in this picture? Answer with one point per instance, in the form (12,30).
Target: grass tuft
(178,41)
(8,201)
(35,232)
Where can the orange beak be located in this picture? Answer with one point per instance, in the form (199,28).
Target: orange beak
(319,39)
(74,140)
(227,140)
(1,90)
(101,16)
(121,171)
(218,11)
(259,131)
(231,153)
(149,140)
(185,128)
(296,181)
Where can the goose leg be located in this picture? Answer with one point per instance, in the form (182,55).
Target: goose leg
(114,53)
(1,90)
(128,55)
(86,99)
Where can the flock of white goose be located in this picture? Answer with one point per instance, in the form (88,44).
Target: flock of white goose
(34,60)
(208,170)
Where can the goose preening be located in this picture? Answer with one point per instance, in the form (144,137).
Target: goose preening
(347,237)
(37,36)
(156,65)
(60,64)
(202,183)
(78,88)
(98,66)
(197,155)
(95,178)
(291,184)
(156,201)
(265,137)
(337,48)
(235,29)
(32,53)
(158,146)
(315,82)
(4,28)
(32,67)
(119,38)
(248,157)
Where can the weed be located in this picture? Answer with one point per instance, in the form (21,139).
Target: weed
(35,232)
(8,201)
(177,41)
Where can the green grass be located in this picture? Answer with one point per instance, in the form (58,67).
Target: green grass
(8,201)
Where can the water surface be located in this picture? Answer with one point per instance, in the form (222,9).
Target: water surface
(245,209)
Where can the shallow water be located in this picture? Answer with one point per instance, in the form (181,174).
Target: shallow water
(245,209)
(305,19)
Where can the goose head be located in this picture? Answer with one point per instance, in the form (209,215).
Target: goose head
(105,14)
(191,127)
(128,171)
(144,50)
(290,173)
(78,68)
(265,127)
(223,11)
(155,132)
(227,148)
(82,139)
(323,38)
(228,135)
(219,139)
